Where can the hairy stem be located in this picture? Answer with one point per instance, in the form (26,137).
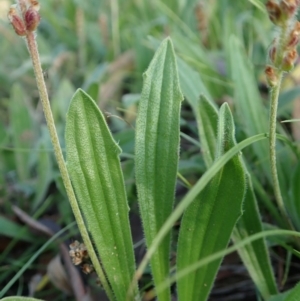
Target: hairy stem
(272,144)
(33,50)
(272,150)
(274,94)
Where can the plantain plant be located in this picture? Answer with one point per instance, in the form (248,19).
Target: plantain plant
(220,207)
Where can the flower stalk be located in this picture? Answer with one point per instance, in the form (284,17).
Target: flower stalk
(25,18)
(282,56)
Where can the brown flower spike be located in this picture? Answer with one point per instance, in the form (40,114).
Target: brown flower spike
(289,7)
(289,60)
(16,21)
(32,19)
(271,76)
(274,11)
(283,53)
(78,252)
(26,18)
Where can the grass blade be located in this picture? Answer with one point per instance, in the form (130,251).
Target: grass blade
(191,83)
(45,175)
(248,101)
(290,295)
(22,131)
(14,230)
(293,204)
(255,256)
(207,119)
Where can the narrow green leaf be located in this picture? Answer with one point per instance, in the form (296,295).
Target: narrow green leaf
(60,100)
(261,272)
(205,261)
(259,5)
(156,152)
(192,194)
(207,119)
(251,112)
(204,110)
(290,120)
(293,204)
(11,229)
(208,223)
(191,83)
(32,258)
(44,175)
(21,131)
(96,76)
(294,294)
(255,256)
(94,167)
(3,134)
(291,295)
(279,297)
(93,90)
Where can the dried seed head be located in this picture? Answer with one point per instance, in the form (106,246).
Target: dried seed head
(87,268)
(78,252)
(288,7)
(271,75)
(293,39)
(274,12)
(289,60)
(74,245)
(32,19)
(98,282)
(75,256)
(16,21)
(272,51)
(294,36)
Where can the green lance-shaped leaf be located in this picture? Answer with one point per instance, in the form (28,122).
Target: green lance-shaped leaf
(208,223)
(22,131)
(207,119)
(255,255)
(294,293)
(156,152)
(94,167)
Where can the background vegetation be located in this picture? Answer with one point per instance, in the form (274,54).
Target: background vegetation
(104,47)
